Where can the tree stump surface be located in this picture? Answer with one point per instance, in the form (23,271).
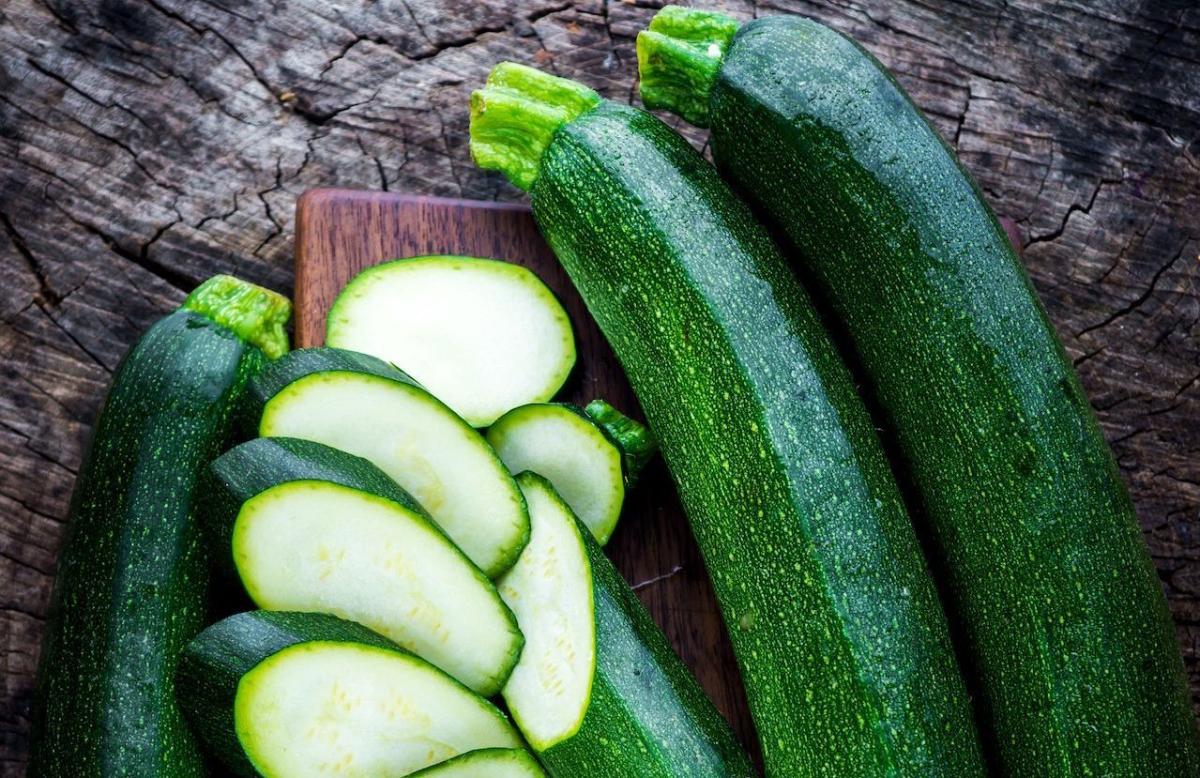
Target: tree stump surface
(147,144)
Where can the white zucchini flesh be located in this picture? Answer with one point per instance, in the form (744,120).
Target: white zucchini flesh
(432,453)
(315,546)
(482,335)
(569,451)
(347,709)
(550,591)
(487,763)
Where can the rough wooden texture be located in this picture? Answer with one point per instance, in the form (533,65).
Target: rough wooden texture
(145,145)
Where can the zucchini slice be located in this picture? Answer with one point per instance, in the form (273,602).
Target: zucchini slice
(311,528)
(589,456)
(133,575)
(598,688)
(482,335)
(486,763)
(359,404)
(292,695)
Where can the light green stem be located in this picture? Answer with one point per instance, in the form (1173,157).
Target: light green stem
(678,59)
(634,440)
(256,315)
(515,115)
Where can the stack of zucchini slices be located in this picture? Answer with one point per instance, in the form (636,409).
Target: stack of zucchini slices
(408,567)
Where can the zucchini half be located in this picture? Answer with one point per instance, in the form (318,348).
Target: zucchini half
(598,689)
(362,405)
(311,528)
(294,695)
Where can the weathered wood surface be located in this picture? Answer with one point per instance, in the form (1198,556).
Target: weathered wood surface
(146,144)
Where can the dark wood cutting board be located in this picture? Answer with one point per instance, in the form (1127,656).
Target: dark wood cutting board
(339,232)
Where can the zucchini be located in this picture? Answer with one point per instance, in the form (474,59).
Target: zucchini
(483,336)
(1064,617)
(364,406)
(486,763)
(589,455)
(311,528)
(598,689)
(133,575)
(293,695)
(840,637)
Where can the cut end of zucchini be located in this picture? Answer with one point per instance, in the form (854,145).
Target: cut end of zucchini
(515,115)
(486,763)
(633,439)
(550,591)
(340,708)
(482,335)
(255,314)
(678,58)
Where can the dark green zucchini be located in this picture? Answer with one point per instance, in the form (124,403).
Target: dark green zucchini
(838,631)
(1063,614)
(133,575)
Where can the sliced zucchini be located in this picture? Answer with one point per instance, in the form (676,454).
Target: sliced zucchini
(362,405)
(597,687)
(308,694)
(486,763)
(311,528)
(588,466)
(483,335)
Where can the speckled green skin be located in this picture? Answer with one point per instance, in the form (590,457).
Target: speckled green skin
(133,576)
(260,464)
(647,717)
(1050,578)
(212,665)
(838,632)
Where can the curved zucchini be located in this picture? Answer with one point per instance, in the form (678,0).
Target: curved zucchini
(486,763)
(1065,619)
(589,455)
(598,689)
(362,405)
(835,622)
(133,575)
(311,528)
(482,335)
(293,695)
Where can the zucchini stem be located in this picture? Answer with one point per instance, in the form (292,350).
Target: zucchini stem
(678,58)
(515,115)
(256,315)
(633,439)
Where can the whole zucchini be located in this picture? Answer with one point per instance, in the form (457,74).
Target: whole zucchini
(1063,615)
(838,632)
(133,574)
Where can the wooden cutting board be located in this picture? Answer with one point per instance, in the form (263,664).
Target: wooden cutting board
(339,232)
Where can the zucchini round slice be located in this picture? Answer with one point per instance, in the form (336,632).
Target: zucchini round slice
(307,694)
(598,689)
(588,467)
(483,335)
(311,528)
(489,762)
(359,404)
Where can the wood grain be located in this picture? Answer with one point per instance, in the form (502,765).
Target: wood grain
(339,232)
(146,144)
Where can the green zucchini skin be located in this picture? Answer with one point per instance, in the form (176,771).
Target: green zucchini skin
(835,622)
(1049,575)
(133,573)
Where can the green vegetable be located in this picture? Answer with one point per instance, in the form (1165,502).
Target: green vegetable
(590,456)
(311,528)
(1064,617)
(364,406)
(483,336)
(293,695)
(486,763)
(837,628)
(598,689)
(132,575)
